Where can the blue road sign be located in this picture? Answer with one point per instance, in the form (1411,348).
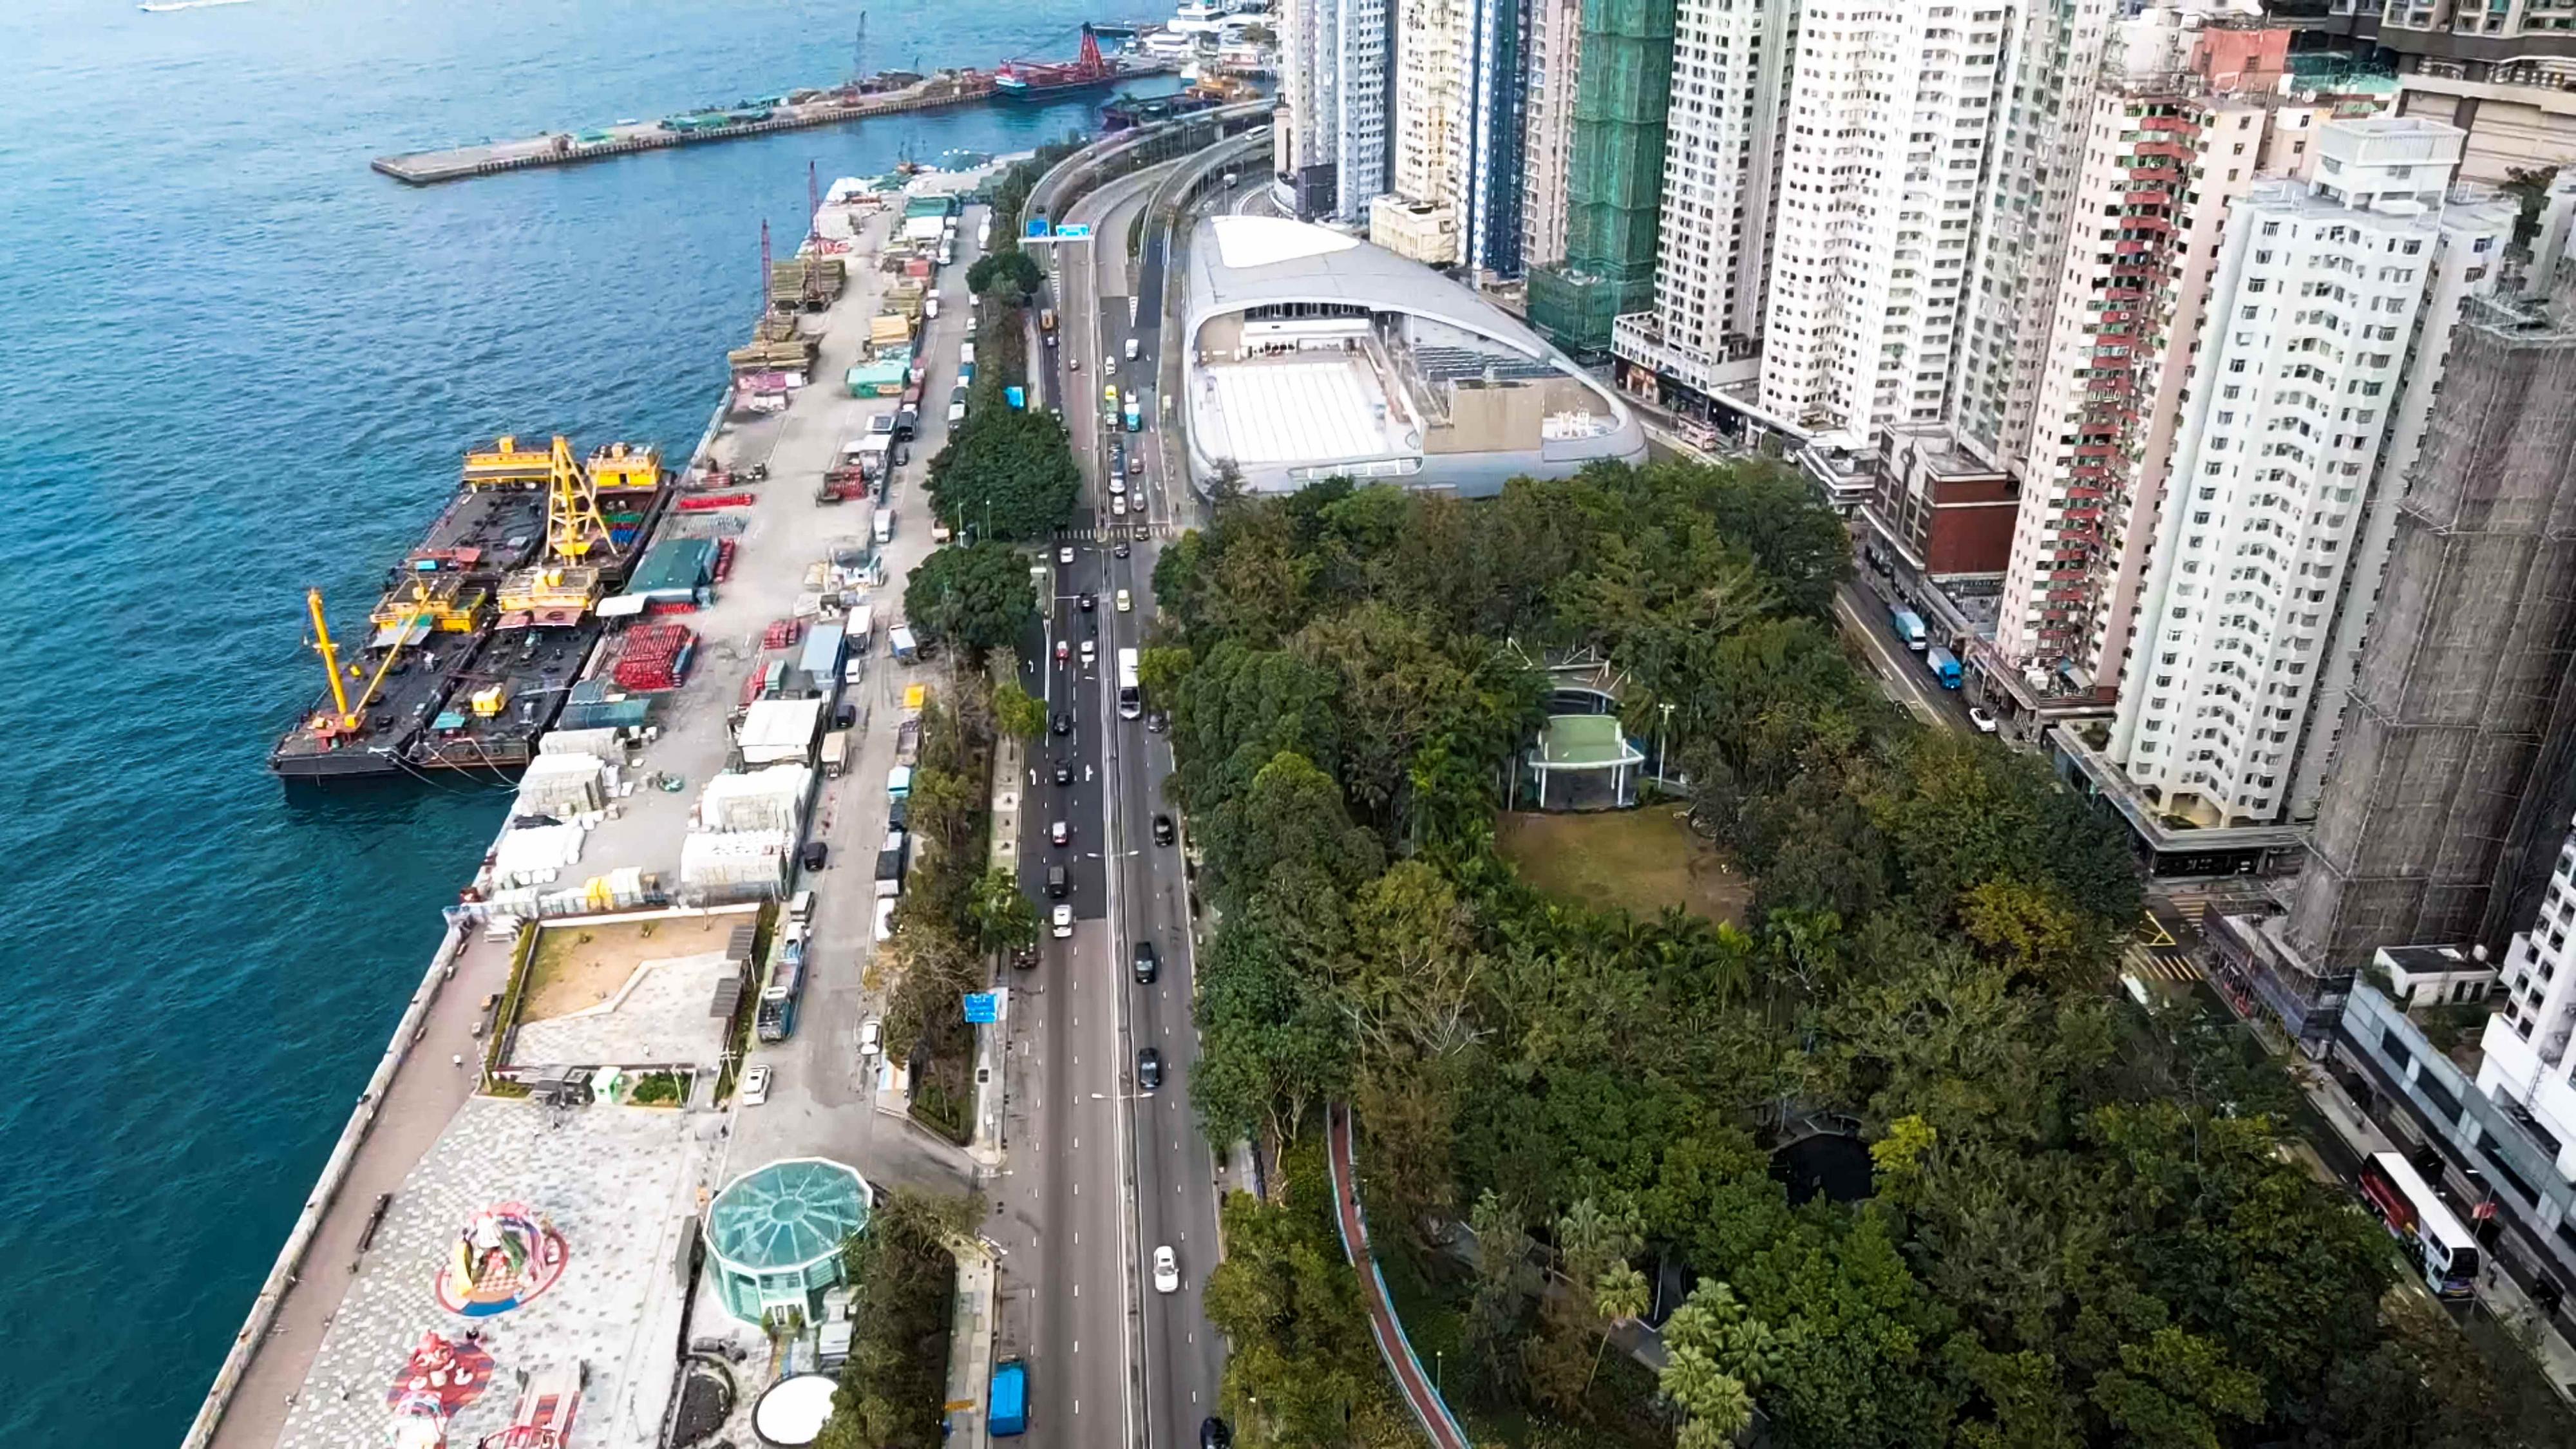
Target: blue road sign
(983,1008)
(1018,397)
(1074,231)
(1037,226)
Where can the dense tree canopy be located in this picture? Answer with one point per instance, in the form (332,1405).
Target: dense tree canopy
(975,598)
(1007,473)
(2083,1231)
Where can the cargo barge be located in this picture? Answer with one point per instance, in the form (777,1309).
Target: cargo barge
(485,626)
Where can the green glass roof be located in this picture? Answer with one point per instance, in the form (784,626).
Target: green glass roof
(787,1214)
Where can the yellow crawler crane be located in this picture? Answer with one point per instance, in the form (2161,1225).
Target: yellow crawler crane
(344,717)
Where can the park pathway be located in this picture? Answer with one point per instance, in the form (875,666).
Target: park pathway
(1428,1408)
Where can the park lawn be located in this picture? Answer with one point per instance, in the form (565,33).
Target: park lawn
(1643,860)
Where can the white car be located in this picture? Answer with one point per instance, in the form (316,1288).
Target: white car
(1117,484)
(1109,363)
(871,1037)
(1064,555)
(1063,923)
(755,1085)
(1167,1271)
(885,920)
(1059,832)
(1118,505)
(1984,722)
(1090,652)
(1125,603)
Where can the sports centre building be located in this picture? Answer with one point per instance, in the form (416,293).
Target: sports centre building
(1310,355)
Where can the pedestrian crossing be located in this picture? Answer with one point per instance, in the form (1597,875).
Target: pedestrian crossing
(2150,964)
(2193,908)
(1119,533)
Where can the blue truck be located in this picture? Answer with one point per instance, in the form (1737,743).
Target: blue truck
(1943,664)
(1909,626)
(1009,1413)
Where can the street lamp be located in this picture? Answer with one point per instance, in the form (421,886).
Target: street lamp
(1663,740)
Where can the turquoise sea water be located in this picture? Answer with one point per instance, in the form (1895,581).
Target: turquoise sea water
(234,363)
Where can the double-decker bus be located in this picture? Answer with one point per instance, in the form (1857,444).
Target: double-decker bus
(1131,698)
(2441,1246)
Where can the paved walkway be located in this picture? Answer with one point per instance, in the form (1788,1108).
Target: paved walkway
(1429,1409)
(425,1093)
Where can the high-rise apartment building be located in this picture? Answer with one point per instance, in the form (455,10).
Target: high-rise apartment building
(1614,177)
(1334,83)
(1880,165)
(2502,70)
(1547,128)
(2124,318)
(2327,325)
(1455,197)
(2043,104)
(1730,88)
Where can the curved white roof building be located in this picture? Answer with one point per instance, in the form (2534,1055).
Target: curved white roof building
(1310,355)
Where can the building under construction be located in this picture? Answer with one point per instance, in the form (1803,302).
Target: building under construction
(2454,774)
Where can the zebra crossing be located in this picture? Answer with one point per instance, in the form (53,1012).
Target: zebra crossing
(2149,964)
(1119,533)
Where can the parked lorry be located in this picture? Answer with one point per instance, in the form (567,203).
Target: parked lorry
(1943,664)
(891,859)
(900,641)
(1046,324)
(1008,1412)
(1909,626)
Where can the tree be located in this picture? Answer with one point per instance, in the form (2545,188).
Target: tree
(1004,918)
(1290,816)
(1006,473)
(1009,268)
(1017,712)
(975,598)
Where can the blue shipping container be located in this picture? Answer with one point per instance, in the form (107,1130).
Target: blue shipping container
(1010,1410)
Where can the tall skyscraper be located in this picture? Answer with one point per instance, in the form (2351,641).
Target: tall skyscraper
(2327,326)
(1333,72)
(2124,321)
(2044,99)
(1614,177)
(1547,128)
(1454,195)
(1720,182)
(1880,162)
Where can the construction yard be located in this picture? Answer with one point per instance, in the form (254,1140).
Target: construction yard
(1642,860)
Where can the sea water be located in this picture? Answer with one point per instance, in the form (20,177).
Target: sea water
(235,364)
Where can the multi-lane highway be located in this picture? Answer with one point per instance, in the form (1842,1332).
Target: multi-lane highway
(1104,1169)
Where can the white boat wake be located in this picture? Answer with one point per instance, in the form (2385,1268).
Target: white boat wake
(157,7)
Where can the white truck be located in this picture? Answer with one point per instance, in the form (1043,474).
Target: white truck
(885,525)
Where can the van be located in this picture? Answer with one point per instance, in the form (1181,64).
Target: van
(1058,886)
(1131,349)
(885,525)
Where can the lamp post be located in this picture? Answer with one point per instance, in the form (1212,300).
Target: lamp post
(1663,740)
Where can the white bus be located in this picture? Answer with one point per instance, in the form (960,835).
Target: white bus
(1131,698)
(2441,1246)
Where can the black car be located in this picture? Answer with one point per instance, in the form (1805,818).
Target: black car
(1088,602)
(1063,773)
(898,814)
(816,852)
(1062,724)
(1213,1434)
(1149,963)
(1149,1069)
(1121,551)
(844,717)
(1164,833)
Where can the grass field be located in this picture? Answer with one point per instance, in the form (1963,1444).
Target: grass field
(1643,859)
